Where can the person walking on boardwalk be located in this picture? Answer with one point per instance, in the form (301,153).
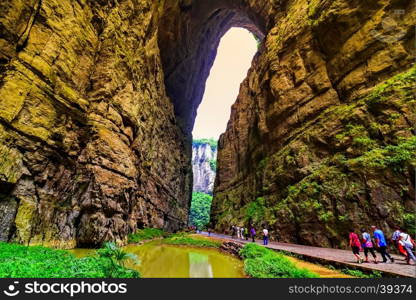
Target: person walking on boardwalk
(238,232)
(355,245)
(253,234)
(396,236)
(242,233)
(368,246)
(406,246)
(246,235)
(381,243)
(265,236)
(233,231)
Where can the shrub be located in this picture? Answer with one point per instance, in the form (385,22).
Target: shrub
(146,234)
(410,223)
(260,262)
(18,261)
(199,214)
(117,259)
(181,239)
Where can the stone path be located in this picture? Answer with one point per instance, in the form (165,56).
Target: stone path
(337,256)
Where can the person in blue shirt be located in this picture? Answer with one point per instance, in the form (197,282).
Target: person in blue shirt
(381,244)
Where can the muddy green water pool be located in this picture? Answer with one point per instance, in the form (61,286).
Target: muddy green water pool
(158,260)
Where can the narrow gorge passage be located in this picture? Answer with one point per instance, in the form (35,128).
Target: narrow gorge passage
(233,60)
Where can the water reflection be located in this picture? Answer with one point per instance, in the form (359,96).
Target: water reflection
(199,266)
(167,261)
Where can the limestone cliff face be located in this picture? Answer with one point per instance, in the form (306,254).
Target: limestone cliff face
(204,167)
(322,135)
(89,145)
(98,100)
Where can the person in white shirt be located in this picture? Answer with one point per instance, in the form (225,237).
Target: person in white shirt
(408,244)
(242,233)
(265,236)
(238,232)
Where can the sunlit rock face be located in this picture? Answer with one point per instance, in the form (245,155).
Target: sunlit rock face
(204,167)
(318,136)
(89,143)
(98,101)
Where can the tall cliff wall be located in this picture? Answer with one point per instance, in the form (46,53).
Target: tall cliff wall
(322,135)
(98,100)
(89,144)
(204,158)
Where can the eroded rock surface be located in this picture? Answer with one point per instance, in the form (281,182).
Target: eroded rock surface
(204,158)
(89,143)
(321,137)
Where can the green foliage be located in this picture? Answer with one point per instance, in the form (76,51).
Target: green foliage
(17,261)
(360,274)
(185,240)
(263,163)
(212,142)
(213,164)
(200,210)
(255,211)
(409,220)
(402,83)
(146,234)
(396,157)
(260,262)
(117,259)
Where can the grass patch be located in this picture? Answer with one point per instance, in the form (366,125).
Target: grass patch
(146,234)
(360,274)
(260,262)
(186,240)
(18,261)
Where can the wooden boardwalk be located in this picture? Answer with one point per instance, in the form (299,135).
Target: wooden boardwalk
(335,256)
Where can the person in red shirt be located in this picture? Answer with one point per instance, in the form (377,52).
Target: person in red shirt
(355,245)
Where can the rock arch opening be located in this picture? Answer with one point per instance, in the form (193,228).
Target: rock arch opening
(234,58)
(189,36)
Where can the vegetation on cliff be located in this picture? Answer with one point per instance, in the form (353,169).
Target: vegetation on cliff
(212,142)
(17,261)
(213,164)
(349,165)
(260,262)
(199,214)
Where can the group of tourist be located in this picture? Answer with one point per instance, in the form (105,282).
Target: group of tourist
(244,233)
(403,242)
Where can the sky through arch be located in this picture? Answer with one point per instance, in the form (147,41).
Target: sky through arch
(234,57)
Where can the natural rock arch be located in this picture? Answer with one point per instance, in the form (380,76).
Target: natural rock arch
(189,35)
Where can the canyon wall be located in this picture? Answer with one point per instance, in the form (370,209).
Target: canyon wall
(322,136)
(204,166)
(90,148)
(98,100)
